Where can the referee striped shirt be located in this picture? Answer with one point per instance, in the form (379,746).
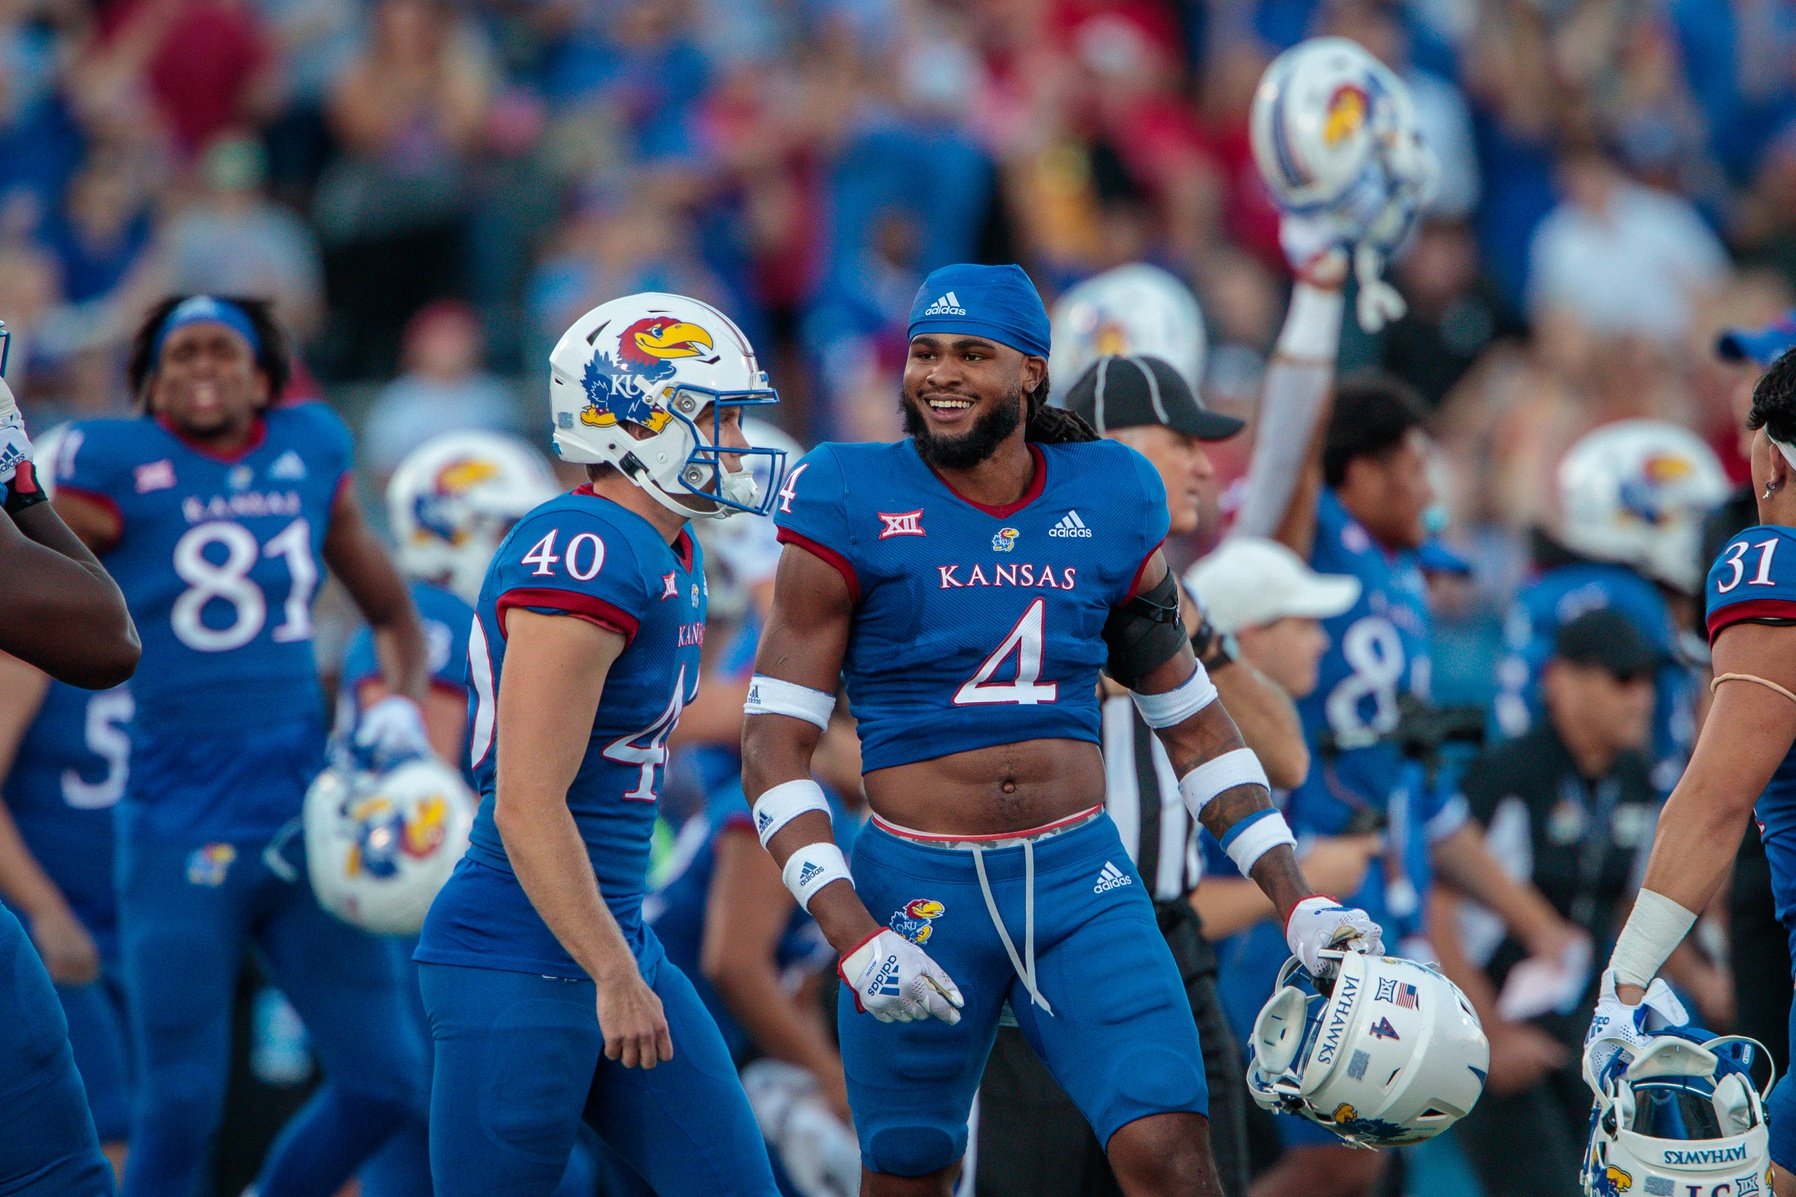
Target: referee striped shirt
(1142,795)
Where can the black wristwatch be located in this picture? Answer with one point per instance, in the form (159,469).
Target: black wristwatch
(1224,650)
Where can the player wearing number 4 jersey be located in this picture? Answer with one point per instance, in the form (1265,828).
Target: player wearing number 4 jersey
(218,514)
(550,1000)
(970,582)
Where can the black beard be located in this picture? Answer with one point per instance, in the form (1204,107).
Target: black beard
(971,447)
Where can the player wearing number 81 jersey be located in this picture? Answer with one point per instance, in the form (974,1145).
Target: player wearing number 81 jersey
(218,514)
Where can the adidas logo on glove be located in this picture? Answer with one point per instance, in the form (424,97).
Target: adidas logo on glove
(945,305)
(1110,877)
(885,981)
(1070,525)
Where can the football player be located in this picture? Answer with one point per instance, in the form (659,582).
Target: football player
(61,613)
(970,581)
(1743,756)
(550,1000)
(219,510)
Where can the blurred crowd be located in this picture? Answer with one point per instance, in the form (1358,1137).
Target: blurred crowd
(430,191)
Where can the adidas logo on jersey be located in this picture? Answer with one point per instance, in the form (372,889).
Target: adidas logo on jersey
(945,305)
(287,465)
(1110,877)
(1070,525)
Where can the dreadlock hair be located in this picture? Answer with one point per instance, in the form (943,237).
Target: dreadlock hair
(273,358)
(1054,425)
(1774,401)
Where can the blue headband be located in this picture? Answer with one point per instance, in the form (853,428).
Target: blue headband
(203,309)
(996,302)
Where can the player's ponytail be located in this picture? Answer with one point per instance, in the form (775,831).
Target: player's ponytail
(1054,425)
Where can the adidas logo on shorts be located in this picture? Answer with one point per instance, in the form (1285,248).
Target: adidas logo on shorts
(1070,525)
(1110,877)
(945,305)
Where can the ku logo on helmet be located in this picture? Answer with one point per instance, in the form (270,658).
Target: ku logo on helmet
(452,481)
(620,384)
(1346,113)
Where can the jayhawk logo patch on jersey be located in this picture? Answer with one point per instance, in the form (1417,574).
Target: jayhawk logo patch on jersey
(915,921)
(208,866)
(621,384)
(1005,540)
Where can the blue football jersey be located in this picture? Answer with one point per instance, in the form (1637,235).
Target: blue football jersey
(1559,596)
(70,771)
(219,561)
(447,618)
(975,625)
(583,556)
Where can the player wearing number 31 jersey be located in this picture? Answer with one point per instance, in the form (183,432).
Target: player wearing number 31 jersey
(218,514)
(970,582)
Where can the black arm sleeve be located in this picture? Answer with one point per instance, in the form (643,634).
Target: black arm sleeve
(1145,632)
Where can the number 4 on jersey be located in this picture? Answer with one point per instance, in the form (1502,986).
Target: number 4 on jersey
(1025,640)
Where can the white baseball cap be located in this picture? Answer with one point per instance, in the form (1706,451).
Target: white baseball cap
(1247,582)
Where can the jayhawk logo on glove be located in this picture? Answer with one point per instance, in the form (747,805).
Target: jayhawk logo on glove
(914,921)
(621,385)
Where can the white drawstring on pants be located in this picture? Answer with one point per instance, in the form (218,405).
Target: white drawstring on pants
(1025,966)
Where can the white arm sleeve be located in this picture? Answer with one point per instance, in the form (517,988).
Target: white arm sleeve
(1291,404)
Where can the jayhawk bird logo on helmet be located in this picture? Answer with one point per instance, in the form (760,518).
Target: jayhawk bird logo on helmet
(620,384)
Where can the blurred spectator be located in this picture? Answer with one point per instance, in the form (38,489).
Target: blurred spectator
(102,230)
(444,389)
(1454,316)
(233,240)
(410,115)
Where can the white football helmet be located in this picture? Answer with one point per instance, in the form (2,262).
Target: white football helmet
(1137,309)
(642,383)
(1636,492)
(453,499)
(1328,120)
(741,554)
(1684,1116)
(1392,1054)
(380,846)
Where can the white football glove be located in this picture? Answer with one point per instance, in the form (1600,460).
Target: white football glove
(392,730)
(15,446)
(1625,1029)
(895,981)
(1318,924)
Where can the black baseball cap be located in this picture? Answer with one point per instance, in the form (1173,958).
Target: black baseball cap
(1607,638)
(1135,391)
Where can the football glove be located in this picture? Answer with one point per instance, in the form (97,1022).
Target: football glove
(895,981)
(15,446)
(1625,1029)
(1320,924)
(391,732)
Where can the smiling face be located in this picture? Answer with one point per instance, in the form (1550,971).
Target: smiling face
(965,396)
(206,382)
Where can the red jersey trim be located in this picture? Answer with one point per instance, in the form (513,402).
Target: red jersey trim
(1032,492)
(1135,582)
(1751,610)
(827,555)
(258,435)
(581,606)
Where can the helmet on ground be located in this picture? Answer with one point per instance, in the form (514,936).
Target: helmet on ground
(1133,309)
(380,845)
(646,384)
(1684,1115)
(1328,118)
(453,499)
(1391,1054)
(1636,492)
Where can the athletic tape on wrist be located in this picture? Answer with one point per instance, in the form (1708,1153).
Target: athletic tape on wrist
(811,868)
(1312,329)
(1254,836)
(1239,767)
(1654,930)
(771,696)
(1179,703)
(784,803)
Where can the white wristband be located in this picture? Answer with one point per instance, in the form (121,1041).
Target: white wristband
(1312,331)
(784,803)
(1654,930)
(1255,836)
(1179,703)
(811,868)
(771,696)
(1239,767)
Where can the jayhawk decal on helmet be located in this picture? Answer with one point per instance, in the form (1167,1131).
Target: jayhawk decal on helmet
(451,482)
(620,385)
(1372,1130)
(1613,1182)
(915,921)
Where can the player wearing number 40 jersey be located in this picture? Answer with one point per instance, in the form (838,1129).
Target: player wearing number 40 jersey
(551,1002)
(970,582)
(218,514)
